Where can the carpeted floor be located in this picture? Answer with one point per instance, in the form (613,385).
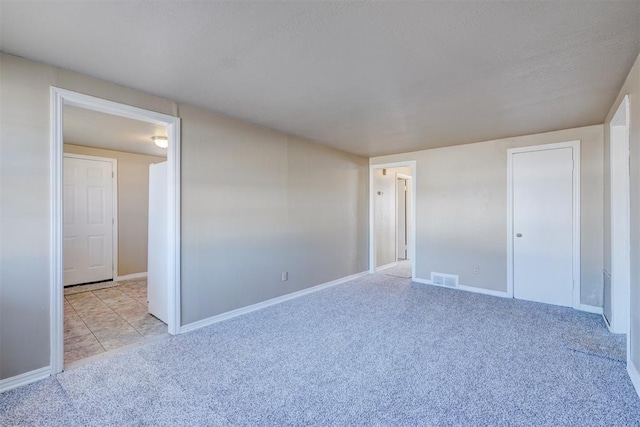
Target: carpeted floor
(376,351)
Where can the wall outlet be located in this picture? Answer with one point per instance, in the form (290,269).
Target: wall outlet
(476,269)
(285,276)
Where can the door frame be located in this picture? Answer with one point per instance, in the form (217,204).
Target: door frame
(406,225)
(575,145)
(620,236)
(114,213)
(60,98)
(411,164)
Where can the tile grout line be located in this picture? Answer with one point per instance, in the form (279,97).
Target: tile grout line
(84,323)
(133,293)
(145,306)
(116,313)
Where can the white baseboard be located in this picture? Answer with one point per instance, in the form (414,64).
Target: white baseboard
(634,375)
(467,288)
(384,267)
(131,276)
(590,309)
(24,379)
(501,294)
(244,310)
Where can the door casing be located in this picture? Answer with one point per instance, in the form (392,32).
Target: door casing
(407,224)
(575,145)
(620,213)
(60,98)
(372,217)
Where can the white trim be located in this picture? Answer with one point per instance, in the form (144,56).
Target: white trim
(24,379)
(426,282)
(406,177)
(60,98)
(634,375)
(132,276)
(621,117)
(575,145)
(56,279)
(466,288)
(620,221)
(412,164)
(264,304)
(590,309)
(173,221)
(114,205)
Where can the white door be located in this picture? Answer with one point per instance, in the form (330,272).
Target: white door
(157,258)
(401,235)
(88,221)
(543,226)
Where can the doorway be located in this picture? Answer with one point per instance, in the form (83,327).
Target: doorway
(89,231)
(392,218)
(544,229)
(64,102)
(617,290)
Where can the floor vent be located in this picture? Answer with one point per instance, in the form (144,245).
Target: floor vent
(442,279)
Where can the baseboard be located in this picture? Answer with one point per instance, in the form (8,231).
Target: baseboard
(634,375)
(590,309)
(254,307)
(501,294)
(467,288)
(384,267)
(24,379)
(131,277)
(424,281)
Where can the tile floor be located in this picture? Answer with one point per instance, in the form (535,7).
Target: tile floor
(106,319)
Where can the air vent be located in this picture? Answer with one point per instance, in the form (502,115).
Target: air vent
(442,279)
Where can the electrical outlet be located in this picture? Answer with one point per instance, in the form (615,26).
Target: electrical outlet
(285,276)
(476,269)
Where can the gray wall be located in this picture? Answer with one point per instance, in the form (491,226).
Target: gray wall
(632,88)
(254,203)
(461,209)
(257,203)
(133,204)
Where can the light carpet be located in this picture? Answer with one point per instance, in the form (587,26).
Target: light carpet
(379,350)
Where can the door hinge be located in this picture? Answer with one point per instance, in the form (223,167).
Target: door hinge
(112,175)
(113,221)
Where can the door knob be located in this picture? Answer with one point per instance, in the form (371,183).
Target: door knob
(519,235)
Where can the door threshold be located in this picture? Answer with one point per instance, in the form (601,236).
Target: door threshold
(111,353)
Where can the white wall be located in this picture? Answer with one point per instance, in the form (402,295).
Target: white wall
(631,87)
(254,203)
(461,209)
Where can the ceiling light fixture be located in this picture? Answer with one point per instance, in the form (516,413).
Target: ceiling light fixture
(160,141)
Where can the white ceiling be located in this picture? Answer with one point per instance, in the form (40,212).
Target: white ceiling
(368,77)
(101,130)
